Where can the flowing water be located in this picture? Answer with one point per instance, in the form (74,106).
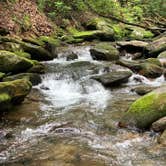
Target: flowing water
(74,123)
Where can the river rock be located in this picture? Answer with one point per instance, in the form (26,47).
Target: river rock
(144,68)
(10,62)
(133,45)
(37,52)
(156,47)
(13,92)
(113,78)
(142,90)
(71,56)
(146,110)
(104,51)
(162,55)
(37,68)
(34,78)
(159,125)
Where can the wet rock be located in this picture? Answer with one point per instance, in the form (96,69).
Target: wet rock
(162,55)
(133,45)
(37,68)
(159,125)
(154,61)
(150,70)
(37,52)
(156,47)
(113,78)
(10,62)
(146,110)
(72,56)
(13,92)
(34,78)
(44,87)
(104,51)
(144,68)
(142,90)
(162,138)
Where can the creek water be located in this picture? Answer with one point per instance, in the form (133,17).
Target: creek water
(75,121)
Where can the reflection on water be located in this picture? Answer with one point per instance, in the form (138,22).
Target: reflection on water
(76,124)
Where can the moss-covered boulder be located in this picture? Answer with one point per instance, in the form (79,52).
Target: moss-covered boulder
(34,78)
(104,51)
(13,92)
(146,110)
(138,33)
(156,47)
(154,61)
(10,62)
(113,78)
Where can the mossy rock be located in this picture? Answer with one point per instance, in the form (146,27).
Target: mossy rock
(146,110)
(162,55)
(37,52)
(150,70)
(10,62)
(2,75)
(23,54)
(14,92)
(156,47)
(5,101)
(11,46)
(34,78)
(104,51)
(138,33)
(37,68)
(154,61)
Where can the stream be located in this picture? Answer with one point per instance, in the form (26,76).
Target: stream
(75,121)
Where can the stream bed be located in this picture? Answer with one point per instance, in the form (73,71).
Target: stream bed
(75,121)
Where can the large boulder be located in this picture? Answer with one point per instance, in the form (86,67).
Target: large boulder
(113,78)
(13,92)
(37,68)
(10,62)
(159,125)
(156,47)
(146,110)
(104,51)
(34,78)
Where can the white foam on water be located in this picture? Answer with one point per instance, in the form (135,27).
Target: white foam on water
(137,79)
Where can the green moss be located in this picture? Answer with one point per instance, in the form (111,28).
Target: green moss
(154,61)
(23,54)
(2,75)
(149,108)
(4,97)
(50,40)
(162,55)
(140,33)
